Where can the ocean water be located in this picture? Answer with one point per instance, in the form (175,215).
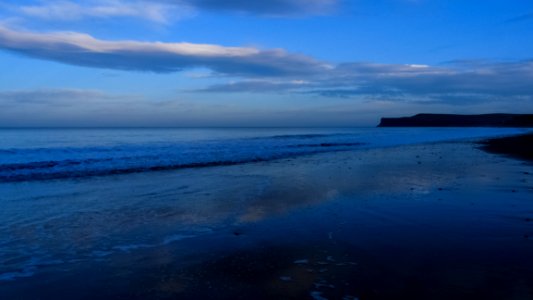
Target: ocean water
(72,199)
(38,154)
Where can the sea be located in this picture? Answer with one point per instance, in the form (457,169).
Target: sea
(71,197)
(43,154)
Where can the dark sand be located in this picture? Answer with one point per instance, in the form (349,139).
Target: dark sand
(520,146)
(436,221)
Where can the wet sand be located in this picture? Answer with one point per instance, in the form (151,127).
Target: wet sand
(432,221)
(520,146)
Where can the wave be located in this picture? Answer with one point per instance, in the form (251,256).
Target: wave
(306,136)
(69,155)
(326,145)
(34,164)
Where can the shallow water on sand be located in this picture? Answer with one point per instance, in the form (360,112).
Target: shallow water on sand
(429,221)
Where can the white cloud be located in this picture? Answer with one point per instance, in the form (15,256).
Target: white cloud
(85,50)
(278,71)
(72,11)
(166,11)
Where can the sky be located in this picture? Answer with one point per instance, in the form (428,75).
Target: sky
(266,63)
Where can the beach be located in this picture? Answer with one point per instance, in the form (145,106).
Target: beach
(429,220)
(266,149)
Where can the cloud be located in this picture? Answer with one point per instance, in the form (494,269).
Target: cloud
(56,107)
(521,18)
(165,11)
(57,98)
(268,8)
(73,11)
(53,97)
(278,71)
(84,50)
(66,10)
(460,82)
(256,86)
(88,108)
(79,107)
(487,78)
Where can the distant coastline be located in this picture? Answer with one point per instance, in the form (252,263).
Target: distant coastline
(454,120)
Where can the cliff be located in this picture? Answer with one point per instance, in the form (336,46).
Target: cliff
(449,120)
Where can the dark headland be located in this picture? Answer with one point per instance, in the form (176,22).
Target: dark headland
(452,120)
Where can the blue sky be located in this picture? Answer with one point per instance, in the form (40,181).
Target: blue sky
(260,63)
